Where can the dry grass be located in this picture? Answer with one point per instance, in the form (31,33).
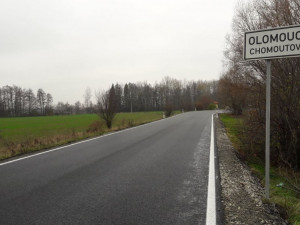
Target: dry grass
(284,183)
(23,135)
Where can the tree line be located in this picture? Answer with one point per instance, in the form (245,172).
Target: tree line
(242,86)
(130,97)
(169,95)
(179,95)
(17,101)
(143,96)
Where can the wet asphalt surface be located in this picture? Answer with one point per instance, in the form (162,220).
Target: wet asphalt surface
(152,174)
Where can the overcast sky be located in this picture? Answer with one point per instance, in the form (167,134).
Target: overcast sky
(65,46)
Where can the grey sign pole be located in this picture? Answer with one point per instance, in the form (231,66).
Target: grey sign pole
(268,102)
(277,42)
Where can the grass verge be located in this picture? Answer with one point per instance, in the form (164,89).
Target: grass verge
(284,184)
(26,134)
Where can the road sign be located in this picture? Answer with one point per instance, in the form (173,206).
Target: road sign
(272,43)
(280,42)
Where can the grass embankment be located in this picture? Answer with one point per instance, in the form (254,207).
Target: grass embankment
(283,183)
(27,134)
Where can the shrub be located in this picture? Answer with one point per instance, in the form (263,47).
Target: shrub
(126,123)
(168,110)
(96,126)
(212,106)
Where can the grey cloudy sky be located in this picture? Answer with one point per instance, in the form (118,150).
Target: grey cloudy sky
(65,46)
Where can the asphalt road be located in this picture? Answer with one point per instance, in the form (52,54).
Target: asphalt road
(152,174)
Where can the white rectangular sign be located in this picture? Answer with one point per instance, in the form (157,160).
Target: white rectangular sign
(272,43)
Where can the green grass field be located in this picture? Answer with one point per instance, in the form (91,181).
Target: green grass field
(284,184)
(26,134)
(233,125)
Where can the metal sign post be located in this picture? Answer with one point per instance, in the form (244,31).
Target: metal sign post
(280,42)
(268,103)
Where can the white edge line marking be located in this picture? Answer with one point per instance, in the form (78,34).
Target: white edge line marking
(80,142)
(211,193)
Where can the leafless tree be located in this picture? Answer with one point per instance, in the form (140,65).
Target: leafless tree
(49,101)
(31,101)
(107,105)
(78,107)
(87,98)
(285,110)
(42,100)
(233,90)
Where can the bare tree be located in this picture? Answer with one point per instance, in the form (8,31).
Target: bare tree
(233,91)
(49,101)
(42,100)
(31,100)
(107,106)
(87,98)
(285,122)
(78,107)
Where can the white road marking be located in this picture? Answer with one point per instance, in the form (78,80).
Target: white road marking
(211,193)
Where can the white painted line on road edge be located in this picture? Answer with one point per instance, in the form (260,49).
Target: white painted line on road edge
(211,193)
(79,142)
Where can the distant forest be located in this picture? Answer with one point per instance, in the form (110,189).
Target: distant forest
(136,97)
(16,101)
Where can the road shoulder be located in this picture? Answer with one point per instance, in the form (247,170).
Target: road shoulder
(241,193)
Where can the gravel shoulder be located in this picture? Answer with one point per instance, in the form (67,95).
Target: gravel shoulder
(241,193)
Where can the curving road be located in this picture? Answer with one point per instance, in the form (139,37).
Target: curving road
(152,174)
